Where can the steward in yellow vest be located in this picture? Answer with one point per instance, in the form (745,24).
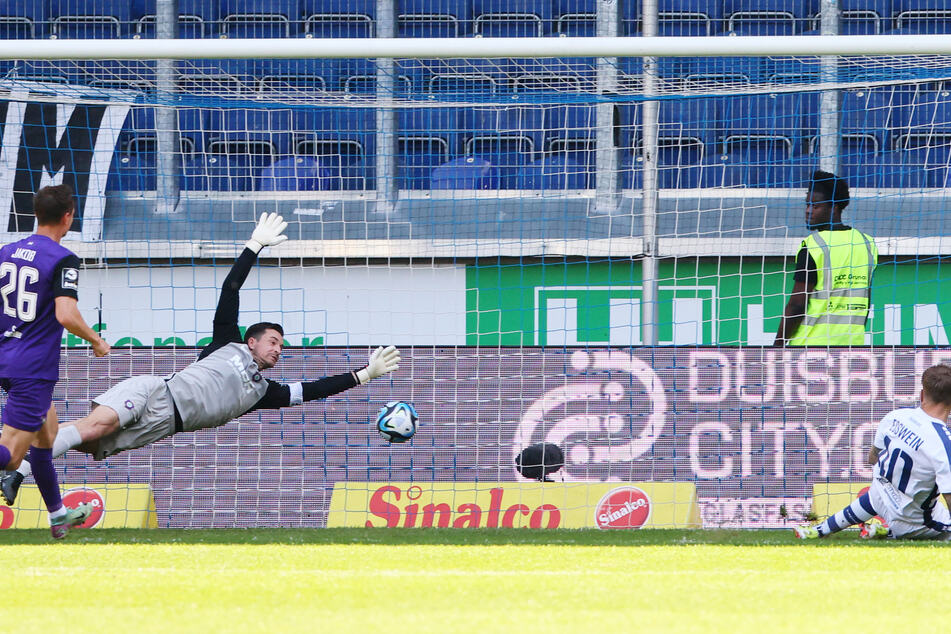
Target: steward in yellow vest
(832,282)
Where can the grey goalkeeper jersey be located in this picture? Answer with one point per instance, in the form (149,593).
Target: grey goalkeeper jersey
(218,388)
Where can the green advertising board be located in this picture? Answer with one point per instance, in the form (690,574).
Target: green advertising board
(701,301)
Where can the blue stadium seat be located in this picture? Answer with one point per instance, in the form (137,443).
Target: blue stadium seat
(628,125)
(132,172)
(230,167)
(508,137)
(792,70)
(47,71)
(433,18)
(120,74)
(512,18)
(631,174)
(102,19)
(754,162)
(256,19)
(714,72)
(570,133)
(467,172)
(875,112)
(21,20)
(676,17)
(293,75)
(342,139)
(779,114)
(254,131)
(358,76)
(196,19)
(929,113)
(679,162)
(552,75)
(466,79)
(897,169)
(576,18)
(428,137)
(339,18)
(923,16)
(554,173)
(295,173)
(212,76)
(861,17)
(766,17)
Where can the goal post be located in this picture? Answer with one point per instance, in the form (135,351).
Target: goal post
(586,242)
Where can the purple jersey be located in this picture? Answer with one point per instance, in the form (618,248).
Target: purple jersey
(33,272)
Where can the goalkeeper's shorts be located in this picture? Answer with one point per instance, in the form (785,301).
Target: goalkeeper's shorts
(146,414)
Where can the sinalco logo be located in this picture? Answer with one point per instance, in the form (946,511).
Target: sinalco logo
(82,495)
(623,508)
(593,421)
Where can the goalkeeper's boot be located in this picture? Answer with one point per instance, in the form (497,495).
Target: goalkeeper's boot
(73,518)
(873,529)
(10,483)
(806,532)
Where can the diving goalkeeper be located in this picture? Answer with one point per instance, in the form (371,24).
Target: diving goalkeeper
(223,384)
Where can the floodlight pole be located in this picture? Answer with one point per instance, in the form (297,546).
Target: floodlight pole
(650,198)
(386,140)
(168,148)
(829,100)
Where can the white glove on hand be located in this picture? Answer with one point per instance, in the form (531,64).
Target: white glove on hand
(382,361)
(269,232)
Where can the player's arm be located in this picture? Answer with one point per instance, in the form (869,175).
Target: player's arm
(268,232)
(382,361)
(804,282)
(66,304)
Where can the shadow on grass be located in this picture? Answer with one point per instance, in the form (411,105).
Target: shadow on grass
(447,537)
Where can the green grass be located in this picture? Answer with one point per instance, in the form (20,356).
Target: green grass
(391,580)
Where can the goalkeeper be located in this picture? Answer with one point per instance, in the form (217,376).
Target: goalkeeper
(224,383)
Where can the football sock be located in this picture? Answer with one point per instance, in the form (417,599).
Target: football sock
(860,510)
(4,456)
(45,476)
(66,438)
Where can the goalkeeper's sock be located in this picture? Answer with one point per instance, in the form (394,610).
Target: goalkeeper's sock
(66,438)
(860,510)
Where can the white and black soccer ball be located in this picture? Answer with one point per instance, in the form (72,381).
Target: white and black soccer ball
(397,421)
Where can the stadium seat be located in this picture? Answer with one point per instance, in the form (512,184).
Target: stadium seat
(710,73)
(766,17)
(260,131)
(551,75)
(196,19)
(466,79)
(132,173)
(860,17)
(433,18)
(120,74)
(256,19)
(897,169)
(467,172)
(293,76)
(358,76)
(555,172)
(342,139)
(875,112)
(103,19)
(576,18)
(427,138)
(928,113)
(570,133)
(780,114)
(675,17)
(47,71)
(295,173)
(211,76)
(512,18)
(507,137)
(791,70)
(21,20)
(339,18)
(923,16)
(631,174)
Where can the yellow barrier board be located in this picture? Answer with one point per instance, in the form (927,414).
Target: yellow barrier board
(613,505)
(114,506)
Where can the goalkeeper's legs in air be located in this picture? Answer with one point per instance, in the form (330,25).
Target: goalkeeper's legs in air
(100,422)
(859,511)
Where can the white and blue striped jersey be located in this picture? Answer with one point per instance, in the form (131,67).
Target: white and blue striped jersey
(914,466)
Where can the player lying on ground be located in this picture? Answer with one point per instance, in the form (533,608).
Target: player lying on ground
(911,455)
(223,384)
(40,281)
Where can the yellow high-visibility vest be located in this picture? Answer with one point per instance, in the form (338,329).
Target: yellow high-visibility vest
(838,306)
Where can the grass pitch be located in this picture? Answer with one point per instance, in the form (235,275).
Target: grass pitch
(414,580)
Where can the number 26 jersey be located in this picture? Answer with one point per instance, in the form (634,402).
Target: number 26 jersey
(34,271)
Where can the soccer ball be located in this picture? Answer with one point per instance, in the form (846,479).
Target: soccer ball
(396,421)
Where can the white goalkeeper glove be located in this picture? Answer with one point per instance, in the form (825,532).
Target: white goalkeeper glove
(382,361)
(269,232)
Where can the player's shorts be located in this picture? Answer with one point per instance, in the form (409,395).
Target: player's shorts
(937,526)
(28,401)
(146,414)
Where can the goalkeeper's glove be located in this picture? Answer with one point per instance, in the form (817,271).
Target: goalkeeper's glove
(382,361)
(269,232)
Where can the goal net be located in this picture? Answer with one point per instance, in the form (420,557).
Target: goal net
(591,252)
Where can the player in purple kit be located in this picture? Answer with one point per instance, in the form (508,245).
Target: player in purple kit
(39,280)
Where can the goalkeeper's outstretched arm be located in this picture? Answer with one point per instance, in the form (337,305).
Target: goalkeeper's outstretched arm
(268,232)
(382,361)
